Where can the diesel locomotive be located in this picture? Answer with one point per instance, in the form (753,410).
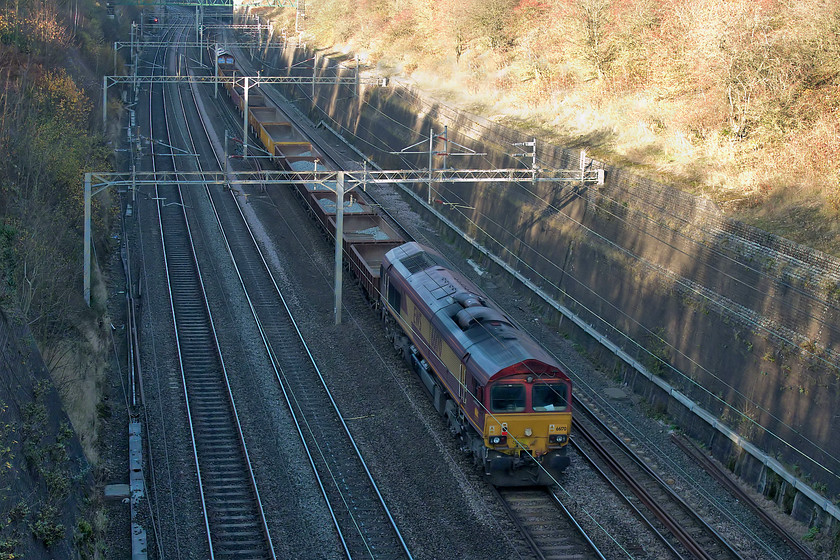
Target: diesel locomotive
(500,392)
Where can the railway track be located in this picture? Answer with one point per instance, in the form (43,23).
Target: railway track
(234,517)
(365,528)
(362,518)
(681,528)
(363,522)
(532,513)
(548,526)
(709,466)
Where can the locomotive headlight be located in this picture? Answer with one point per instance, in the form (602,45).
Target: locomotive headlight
(497,440)
(557,438)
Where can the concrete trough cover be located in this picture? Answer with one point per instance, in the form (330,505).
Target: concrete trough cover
(615,393)
(138,542)
(117,491)
(135,447)
(135,461)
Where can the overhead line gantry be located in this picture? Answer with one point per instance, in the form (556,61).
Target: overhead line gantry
(342,181)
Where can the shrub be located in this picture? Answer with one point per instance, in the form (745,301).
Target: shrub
(46,527)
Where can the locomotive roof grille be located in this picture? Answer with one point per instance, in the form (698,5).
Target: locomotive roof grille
(420,261)
(469,299)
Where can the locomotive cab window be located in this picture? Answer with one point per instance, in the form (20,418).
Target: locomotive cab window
(548,397)
(507,398)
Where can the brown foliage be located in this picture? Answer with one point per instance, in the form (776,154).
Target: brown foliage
(744,84)
(43,116)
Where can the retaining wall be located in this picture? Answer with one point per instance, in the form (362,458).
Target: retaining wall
(743,323)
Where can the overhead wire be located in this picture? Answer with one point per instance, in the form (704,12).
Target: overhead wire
(775,279)
(684,282)
(714,250)
(468,391)
(653,355)
(325,277)
(805,349)
(403,158)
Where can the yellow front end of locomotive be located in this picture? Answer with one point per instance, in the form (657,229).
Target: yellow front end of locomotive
(534,433)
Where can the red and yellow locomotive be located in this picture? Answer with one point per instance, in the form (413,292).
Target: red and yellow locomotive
(504,395)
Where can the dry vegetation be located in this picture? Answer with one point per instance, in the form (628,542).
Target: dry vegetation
(49,51)
(46,138)
(736,100)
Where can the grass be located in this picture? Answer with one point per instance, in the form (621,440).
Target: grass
(801,215)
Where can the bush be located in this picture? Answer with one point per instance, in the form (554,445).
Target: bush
(46,527)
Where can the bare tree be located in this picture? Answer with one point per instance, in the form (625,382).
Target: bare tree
(598,50)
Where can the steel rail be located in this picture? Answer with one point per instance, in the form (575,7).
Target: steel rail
(300,416)
(153,486)
(172,311)
(557,541)
(694,548)
(252,478)
(226,524)
(176,334)
(263,335)
(574,520)
(739,494)
(625,497)
(681,533)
